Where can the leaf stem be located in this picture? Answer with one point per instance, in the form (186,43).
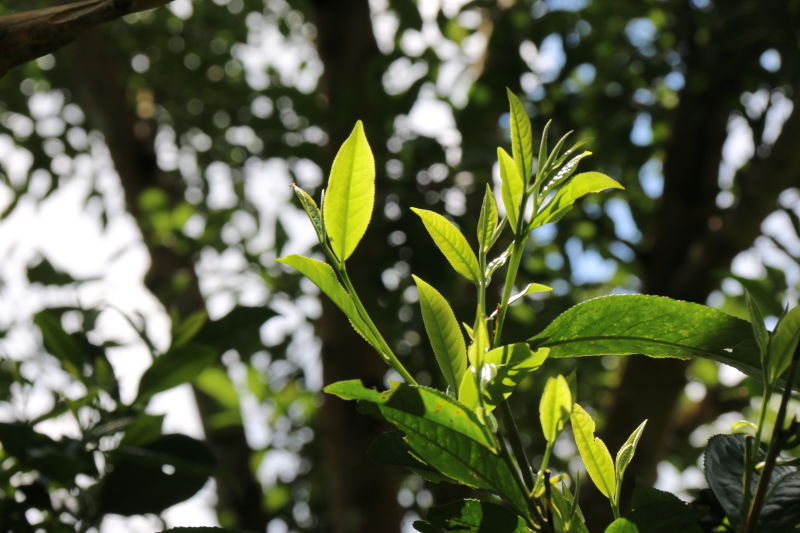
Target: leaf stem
(385,351)
(545,461)
(508,285)
(776,443)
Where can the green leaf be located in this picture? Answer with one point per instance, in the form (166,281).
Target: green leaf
(443,332)
(59,460)
(531,288)
(593,451)
(154,476)
(60,343)
(555,407)
(389,448)
(217,384)
(757,320)
(622,525)
(174,368)
(443,433)
(521,137)
(577,187)
(504,368)
(655,511)
(511,186)
(540,161)
(654,326)
(323,276)
(350,196)
(186,330)
(312,211)
(784,343)
(487,221)
(452,243)
(473,516)
(626,451)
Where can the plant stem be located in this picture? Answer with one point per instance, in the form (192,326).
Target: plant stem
(775,445)
(508,285)
(545,461)
(516,443)
(384,350)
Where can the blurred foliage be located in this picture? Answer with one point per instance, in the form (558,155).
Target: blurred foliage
(231,95)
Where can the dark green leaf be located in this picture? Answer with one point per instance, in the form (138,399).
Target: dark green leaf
(174,368)
(443,433)
(60,460)
(654,326)
(474,516)
(655,511)
(45,273)
(150,478)
(186,330)
(390,448)
(60,343)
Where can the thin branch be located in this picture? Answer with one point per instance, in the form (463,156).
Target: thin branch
(31,34)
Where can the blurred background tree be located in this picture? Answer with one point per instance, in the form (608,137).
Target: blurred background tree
(158,150)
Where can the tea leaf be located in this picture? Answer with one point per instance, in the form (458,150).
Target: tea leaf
(511,185)
(487,221)
(442,432)
(312,211)
(783,343)
(593,451)
(521,138)
(625,453)
(580,185)
(654,326)
(443,332)
(351,194)
(757,320)
(472,516)
(452,243)
(555,407)
(174,368)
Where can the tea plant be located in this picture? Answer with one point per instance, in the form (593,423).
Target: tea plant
(466,434)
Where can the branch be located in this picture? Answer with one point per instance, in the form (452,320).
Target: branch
(31,34)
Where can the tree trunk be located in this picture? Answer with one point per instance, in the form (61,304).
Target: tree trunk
(130,140)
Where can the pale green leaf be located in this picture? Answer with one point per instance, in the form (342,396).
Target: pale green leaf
(593,451)
(622,525)
(540,161)
(323,276)
(625,453)
(521,137)
(531,288)
(452,243)
(784,343)
(555,407)
(443,332)
(580,185)
(351,194)
(511,186)
(487,221)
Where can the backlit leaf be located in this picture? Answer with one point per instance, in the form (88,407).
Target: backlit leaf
(452,243)
(511,186)
(784,343)
(555,407)
(521,137)
(626,451)
(444,334)
(487,221)
(350,195)
(578,186)
(593,451)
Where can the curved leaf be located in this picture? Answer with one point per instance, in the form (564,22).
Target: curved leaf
(487,221)
(593,451)
(452,243)
(350,196)
(654,326)
(443,433)
(444,334)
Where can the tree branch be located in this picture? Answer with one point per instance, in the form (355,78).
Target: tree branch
(31,34)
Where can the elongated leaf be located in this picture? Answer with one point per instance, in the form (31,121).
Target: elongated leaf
(626,451)
(580,185)
(487,221)
(504,368)
(593,451)
(443,332)
(323,276)
(452,243)
(174,368)
(757,320)
(654,326)
(312,211)
(511,186)
(540,161)
(473,516)
(555,407)
(784,343)
(443,433)
(521,137)
(183,332)
(350,196)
